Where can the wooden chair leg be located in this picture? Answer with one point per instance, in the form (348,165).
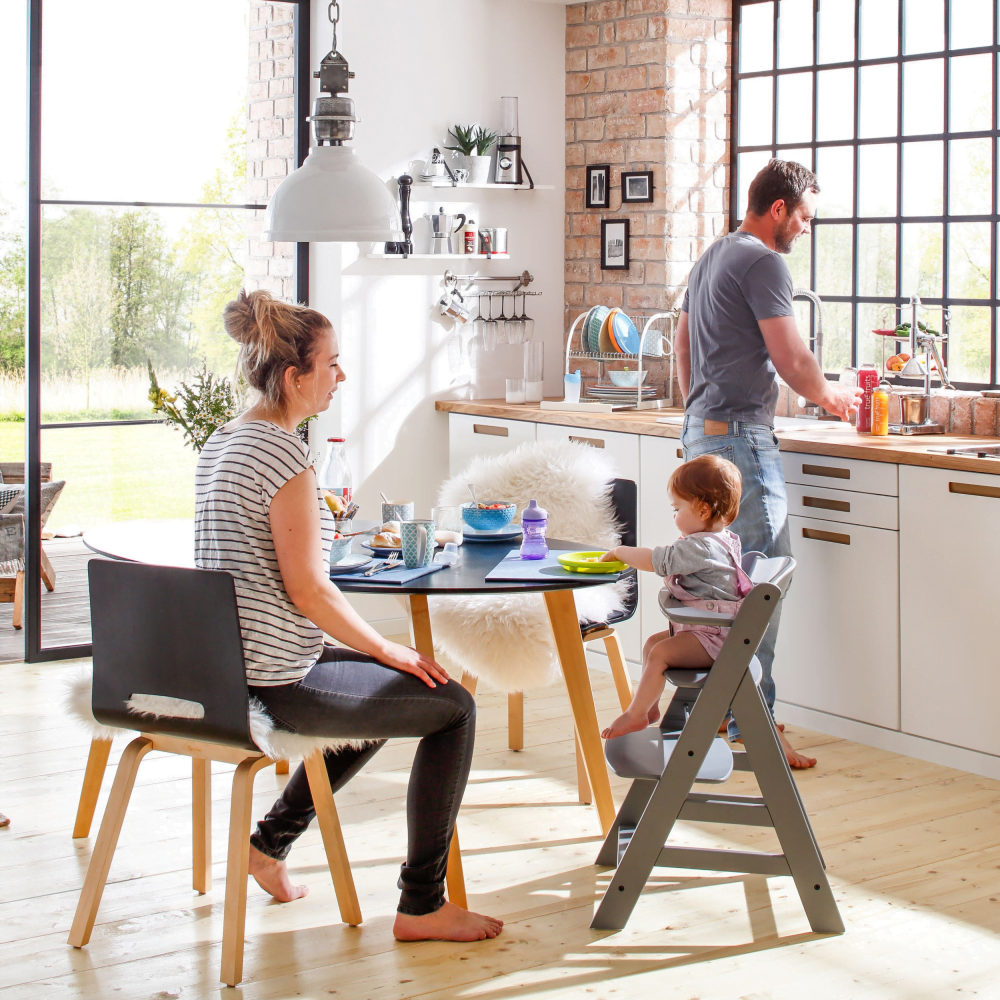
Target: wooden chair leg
(93,778)
(456,874)
(237,868)
(48,573)
(469,682)
(281,767)
(201,824)
(623,683)
(19,600)
(515,720)
(333,839)
(582,782)
(107,840)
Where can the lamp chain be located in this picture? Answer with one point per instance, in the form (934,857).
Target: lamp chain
(333,13)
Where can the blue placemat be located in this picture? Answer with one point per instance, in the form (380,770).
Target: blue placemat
(402,575)
(513,567)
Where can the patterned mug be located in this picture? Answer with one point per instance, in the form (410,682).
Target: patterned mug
(401,510)
(417,543)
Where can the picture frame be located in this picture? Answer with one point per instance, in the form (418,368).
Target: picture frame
(637,187)
(598,190)
(615,245)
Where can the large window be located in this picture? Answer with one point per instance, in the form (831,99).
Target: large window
(894,104)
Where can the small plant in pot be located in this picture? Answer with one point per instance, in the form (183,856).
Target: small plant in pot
(472,143)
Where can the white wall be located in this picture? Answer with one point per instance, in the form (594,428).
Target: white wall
(420,69)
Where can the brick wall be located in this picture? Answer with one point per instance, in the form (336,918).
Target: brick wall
(647,88)
(270,140)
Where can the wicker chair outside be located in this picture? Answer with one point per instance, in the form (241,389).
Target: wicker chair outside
(12,548)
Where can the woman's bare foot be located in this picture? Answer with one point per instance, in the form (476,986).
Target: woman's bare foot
(794,758)
(630,721)
(272,876)
(450,923)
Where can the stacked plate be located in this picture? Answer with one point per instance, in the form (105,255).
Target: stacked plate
(609,331)
(614,393)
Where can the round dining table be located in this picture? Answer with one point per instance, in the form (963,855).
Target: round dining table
(171,543)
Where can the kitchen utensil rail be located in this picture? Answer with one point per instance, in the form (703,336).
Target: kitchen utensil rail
(646,321)
(523,279)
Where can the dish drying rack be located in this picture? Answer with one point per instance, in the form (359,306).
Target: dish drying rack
(645,323)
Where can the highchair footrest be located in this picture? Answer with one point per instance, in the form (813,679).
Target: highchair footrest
(645,754)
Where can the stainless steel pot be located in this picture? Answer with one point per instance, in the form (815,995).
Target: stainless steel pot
(915,408)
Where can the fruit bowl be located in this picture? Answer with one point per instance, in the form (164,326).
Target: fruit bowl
(490,518)
(628,380)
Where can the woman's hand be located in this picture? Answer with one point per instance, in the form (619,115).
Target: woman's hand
(409,661)
(610,556)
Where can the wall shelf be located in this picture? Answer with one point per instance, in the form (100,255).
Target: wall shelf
(436,256)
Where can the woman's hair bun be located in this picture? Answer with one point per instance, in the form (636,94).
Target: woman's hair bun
(238,318)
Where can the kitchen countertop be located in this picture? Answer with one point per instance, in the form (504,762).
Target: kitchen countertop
(837,440)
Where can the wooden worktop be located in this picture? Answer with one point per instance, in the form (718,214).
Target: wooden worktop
(815,438)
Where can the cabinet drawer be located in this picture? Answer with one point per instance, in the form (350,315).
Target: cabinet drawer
(872,509)
(841,473)
(622,449)
(470,437)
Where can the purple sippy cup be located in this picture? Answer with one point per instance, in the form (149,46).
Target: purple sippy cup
(534,521)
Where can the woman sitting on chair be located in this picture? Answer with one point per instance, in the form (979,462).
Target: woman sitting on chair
(260,516)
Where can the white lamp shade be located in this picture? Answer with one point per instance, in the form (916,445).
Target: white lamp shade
(332,198)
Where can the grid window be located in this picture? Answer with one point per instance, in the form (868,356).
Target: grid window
(894,104)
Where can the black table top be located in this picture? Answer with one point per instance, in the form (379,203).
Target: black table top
(478,558)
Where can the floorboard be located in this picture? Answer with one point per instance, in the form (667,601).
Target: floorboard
(912,850)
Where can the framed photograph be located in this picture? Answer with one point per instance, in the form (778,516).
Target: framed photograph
(598,186)
(614,245)
(637,186)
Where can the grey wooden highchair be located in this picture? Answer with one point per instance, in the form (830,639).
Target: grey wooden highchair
(666,760)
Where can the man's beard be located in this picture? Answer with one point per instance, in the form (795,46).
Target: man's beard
(783,238)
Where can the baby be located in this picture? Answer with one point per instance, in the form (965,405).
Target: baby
(702,569)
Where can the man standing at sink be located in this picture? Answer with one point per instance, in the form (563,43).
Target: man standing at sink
(736,331)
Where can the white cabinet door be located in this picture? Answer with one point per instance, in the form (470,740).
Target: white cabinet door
(470,436)
(622,449)
(950,603)
(838,643)
(658,457)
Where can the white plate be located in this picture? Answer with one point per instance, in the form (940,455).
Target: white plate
(501,535)
(351,564)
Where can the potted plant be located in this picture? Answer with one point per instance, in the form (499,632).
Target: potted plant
(473,144)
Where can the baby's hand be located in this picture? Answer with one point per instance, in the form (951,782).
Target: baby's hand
(610,557)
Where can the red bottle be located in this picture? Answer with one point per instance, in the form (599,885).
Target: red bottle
(868,378)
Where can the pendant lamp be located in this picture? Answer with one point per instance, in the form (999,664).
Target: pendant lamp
(333,197)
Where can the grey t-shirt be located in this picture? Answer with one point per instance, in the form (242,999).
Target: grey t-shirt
(704,565)
(737,282)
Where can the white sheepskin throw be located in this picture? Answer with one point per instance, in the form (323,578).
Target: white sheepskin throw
(505,639)
(278,744)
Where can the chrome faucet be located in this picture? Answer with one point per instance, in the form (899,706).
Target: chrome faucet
(813,410)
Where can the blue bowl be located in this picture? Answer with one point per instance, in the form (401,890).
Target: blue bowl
(488,520)
(339,549)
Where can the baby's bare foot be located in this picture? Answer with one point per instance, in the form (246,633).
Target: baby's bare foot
(450,923)
(628,722)
(653,715)
(272,876)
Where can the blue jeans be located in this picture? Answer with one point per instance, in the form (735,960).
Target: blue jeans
(762,523)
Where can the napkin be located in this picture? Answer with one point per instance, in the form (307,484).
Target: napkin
(400,575)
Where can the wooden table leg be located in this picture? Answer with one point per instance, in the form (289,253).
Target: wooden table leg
(420,619)
(573,658)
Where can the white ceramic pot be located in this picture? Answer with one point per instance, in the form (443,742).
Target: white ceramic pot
(478,167)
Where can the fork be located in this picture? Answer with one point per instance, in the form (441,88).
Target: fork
(390,563)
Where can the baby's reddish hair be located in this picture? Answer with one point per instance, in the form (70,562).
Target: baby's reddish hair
(712,480)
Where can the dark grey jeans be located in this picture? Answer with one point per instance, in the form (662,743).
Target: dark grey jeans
(352,695)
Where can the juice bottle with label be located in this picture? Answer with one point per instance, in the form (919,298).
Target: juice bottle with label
(880,409)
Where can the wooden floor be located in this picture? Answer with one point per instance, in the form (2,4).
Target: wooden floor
(913,851)
(65,611)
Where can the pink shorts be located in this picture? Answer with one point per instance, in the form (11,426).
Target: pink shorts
(712,637)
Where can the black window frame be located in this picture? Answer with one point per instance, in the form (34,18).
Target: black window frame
(34,652)
(898,219)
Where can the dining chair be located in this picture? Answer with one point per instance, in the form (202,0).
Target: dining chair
(156,629)
(665,761)
(625,505)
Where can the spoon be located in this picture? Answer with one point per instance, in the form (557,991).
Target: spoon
(472,490)
(385,499)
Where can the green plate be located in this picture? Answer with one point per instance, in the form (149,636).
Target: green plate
(577,563)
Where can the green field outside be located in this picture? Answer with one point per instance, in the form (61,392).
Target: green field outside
(113,473)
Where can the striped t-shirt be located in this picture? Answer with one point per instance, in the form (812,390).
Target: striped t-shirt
(238,472)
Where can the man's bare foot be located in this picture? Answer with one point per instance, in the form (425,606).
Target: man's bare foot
(3,820)
(272,876)
(630,721)
(450,923)
(794,758)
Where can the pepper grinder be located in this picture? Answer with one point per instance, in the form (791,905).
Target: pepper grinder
(405,248)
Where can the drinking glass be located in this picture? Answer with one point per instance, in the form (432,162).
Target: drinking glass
(534,357)
(491,330)
(514,327)
(448,519)
(515,390)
